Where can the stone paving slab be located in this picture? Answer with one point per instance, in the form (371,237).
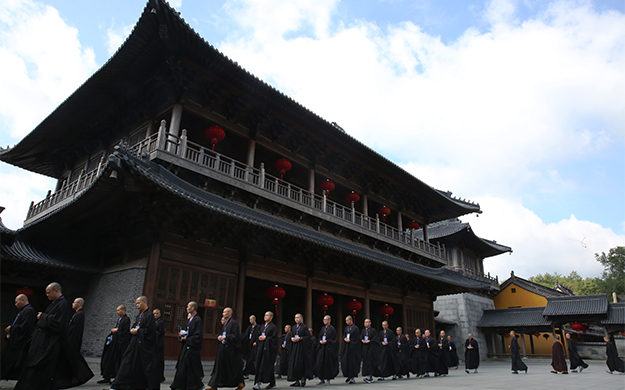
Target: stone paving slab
(491,375)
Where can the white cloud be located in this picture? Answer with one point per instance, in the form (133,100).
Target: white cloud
(42,64)
(540,247)
(492,116)
(24,188)
(175,3)
(116,36)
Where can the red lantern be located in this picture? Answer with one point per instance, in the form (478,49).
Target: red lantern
(276,293)
(386,310)
(537,334)
(546,336)
(326,186)
(24,290)
(283,166)
(354,306)
(507,335)
(577,326)
(215,134)
(325,300)
(352,197)
(412,225)
(384,212)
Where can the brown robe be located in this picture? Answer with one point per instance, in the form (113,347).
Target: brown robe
(557,357)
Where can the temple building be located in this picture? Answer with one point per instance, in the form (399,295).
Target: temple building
(180,176)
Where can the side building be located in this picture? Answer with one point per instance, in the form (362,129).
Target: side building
(182,177)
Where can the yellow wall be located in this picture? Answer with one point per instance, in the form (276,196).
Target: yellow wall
(521,298)
(541,346)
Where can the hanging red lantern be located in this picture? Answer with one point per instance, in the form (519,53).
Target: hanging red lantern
(412,225)
(326,186)
(276,293)
(384,212)
(215,134)
(537,334)
(546,336)
(283,166)
(507,335)
(354,306)
(352,197)
(324,301)
(24,290)
(577,326)
(585,328)
(386,310)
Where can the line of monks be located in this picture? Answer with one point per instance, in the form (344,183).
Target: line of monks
(382,354)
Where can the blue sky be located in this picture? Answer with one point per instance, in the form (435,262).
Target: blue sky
(517,105)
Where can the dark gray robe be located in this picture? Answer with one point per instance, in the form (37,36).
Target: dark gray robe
(351,352)
(52,363)
(189,371)
(517,363)
(370,351)
(228,368)
(300,356)
(471,355)
(16,349)
(114,348)
(418,358)
(76,329)
(403,355)
(267,353)
(251,337)
(327,365)
(387,359)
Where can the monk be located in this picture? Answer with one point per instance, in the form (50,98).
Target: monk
(327,365)
(613,361)
(115,346)
(300,356)
(576,360)
(266,355)
(418,359)
(387,359)
(471,354)
(517,363)
(18,338)
(189,371)
(250,336)
(370,350)
(228,368)
(557,357)
(351,351)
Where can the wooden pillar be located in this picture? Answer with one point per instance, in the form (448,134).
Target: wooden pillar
(425,233)
(251,151)
(151,273)
(309,304)
(311,181)
(174,125)
(151,129)
(532,345)
(238,309)
(339,323)
(367,304)
(365,205)
(404,314)
(503,344)
(399,222)
(493,343)
(523,344)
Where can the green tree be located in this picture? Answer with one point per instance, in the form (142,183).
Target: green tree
(573,281)
(613,277)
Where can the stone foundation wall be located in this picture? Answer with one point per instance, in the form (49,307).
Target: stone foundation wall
(120,285)
(465,310)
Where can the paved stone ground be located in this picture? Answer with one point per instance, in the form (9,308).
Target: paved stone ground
(492,375)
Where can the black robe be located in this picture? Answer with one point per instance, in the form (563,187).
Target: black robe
(16,348)
(285,349)
(327,365)
(251,337)
(576,360)
(300,356)
(370,351)
(403,355)
(266,356)
(228,368)
(351,353)
(557,357)
(387,359)
(114,348)
(137,369)
(160,348)
(471,355)
(613,361)
(433,353)
(443,357)
(419,356)
(313,350)
(453,355)
(189,371)
(76,329)
(52,363)
(517,363)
